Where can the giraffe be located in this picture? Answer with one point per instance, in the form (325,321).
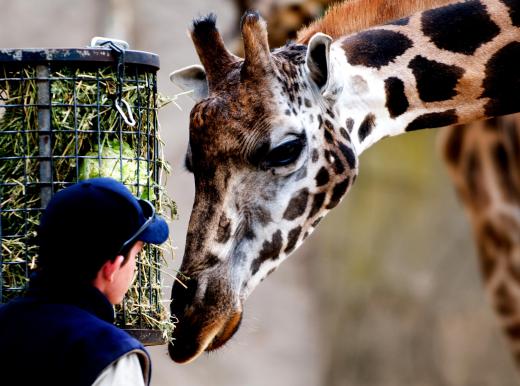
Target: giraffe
(491,147)
(275,138)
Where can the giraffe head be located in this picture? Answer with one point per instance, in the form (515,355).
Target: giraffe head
(269,157)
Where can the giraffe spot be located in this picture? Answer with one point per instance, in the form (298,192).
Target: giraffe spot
(316,222)
(461,27)
(344,133)
(349,155)
(435,81)
(487,260)
(336,90)
(516,357)
(328,125)
(328,136)
(307,102)
(317,204)
(514,11)
(339,167)
(366,126)
(328,156)
(504,172)
(270,272)
(504,302)
(511,131)
(431,120)
(297,205)
(513,331)
(402,21)
(350,124)
(210,260)
(248,231)
(270,251)
(477,194)
(502,83)
(224,229)
(292,239)
(260,214)
(338,192)
(375,48)
(315,155)
(396,101)
(331,113)
(322,177)
(359,85)
(453,145)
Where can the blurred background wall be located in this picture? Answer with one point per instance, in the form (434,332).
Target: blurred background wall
(387,290)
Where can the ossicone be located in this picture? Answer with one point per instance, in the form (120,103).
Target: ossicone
(211,50)
(256,46)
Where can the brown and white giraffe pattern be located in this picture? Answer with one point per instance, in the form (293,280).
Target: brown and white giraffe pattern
(434,66)
(482,160)
(274,145)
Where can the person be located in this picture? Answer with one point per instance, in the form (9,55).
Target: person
(61,331)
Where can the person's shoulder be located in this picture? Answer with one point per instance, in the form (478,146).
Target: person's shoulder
(15,307)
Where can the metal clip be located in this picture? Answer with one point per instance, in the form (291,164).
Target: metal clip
(100,41)
(129,119)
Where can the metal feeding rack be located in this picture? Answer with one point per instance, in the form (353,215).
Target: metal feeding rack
(72,114)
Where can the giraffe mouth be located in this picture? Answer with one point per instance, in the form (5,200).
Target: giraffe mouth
(190,342)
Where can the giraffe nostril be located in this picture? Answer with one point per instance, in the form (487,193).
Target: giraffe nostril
(183,295)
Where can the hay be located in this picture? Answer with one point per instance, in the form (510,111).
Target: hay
(89,139)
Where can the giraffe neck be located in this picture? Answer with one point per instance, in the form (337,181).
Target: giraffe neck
(449,65)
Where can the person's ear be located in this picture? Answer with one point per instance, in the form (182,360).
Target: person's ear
(111,267)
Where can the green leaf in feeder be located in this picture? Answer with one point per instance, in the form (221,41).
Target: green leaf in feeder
(118,160)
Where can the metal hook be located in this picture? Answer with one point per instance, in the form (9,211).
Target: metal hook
(129,119)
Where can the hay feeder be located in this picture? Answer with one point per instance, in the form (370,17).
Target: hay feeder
(72,114)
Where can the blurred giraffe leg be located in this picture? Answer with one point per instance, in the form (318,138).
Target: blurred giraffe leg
(483,160)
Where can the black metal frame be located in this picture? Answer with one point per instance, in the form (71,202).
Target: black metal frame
(133,68)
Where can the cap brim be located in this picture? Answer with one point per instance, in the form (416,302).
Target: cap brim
(156,233)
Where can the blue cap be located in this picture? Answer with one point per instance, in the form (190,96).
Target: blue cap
(94,221)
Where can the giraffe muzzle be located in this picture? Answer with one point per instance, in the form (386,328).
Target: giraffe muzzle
(191,340)
(206,320)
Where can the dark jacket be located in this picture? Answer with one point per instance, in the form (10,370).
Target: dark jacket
(61,337)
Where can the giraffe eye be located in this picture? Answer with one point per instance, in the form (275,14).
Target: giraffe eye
(284,154)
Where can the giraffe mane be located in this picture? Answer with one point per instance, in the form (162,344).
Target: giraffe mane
(355,15)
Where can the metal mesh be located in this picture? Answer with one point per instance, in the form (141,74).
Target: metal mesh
(58,125)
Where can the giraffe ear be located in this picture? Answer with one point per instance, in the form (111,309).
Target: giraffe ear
(317,59)
(192,78)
